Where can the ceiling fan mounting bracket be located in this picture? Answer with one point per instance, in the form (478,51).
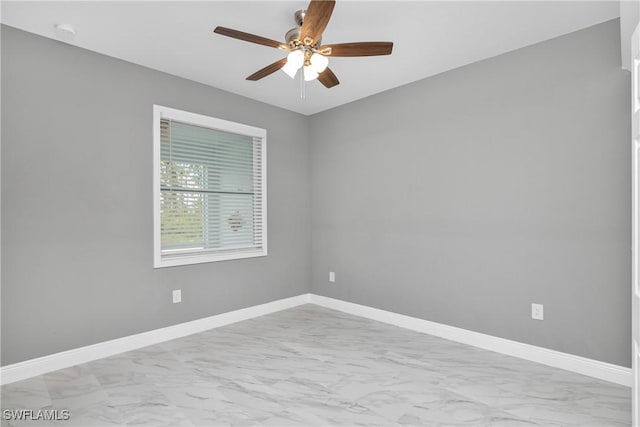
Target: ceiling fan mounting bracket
(298,16)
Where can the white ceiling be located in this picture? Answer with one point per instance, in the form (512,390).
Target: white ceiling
(429,38)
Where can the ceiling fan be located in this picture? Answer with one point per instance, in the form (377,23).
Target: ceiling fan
(304,46)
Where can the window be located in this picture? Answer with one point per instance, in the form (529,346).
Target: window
(209,189)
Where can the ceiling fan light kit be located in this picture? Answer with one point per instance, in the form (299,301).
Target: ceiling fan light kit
(319,62)
(290,69)
(304,46)
(310,73)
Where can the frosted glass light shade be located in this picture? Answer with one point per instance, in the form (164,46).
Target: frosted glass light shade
(295,58)
(309,73)
(319,62)
(290,69)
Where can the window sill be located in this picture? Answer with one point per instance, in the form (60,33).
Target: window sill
(185,259)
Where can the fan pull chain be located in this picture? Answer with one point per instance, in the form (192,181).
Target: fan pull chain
(302,94)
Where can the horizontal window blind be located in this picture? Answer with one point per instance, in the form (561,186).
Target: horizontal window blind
(211,191)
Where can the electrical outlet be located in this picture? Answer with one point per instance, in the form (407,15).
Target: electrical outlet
(332,276)
(537,311)
(177,296)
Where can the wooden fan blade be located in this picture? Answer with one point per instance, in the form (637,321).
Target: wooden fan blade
(316,19)
(269,69)
(328,79)
(240,35)
(358,49)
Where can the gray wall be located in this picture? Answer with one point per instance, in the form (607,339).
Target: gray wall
(465,197)
(461,199)
(77,217)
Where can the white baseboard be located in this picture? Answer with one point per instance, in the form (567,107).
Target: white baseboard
(581,365)
(41,365)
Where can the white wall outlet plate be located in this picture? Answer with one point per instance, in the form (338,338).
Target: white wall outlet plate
(177,296)
(537,311)
(332,276)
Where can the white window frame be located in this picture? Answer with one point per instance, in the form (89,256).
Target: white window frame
(161,112)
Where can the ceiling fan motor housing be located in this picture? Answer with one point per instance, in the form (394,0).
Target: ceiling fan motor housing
(293,35)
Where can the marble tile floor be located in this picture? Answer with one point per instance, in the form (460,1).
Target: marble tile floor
(311,366)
